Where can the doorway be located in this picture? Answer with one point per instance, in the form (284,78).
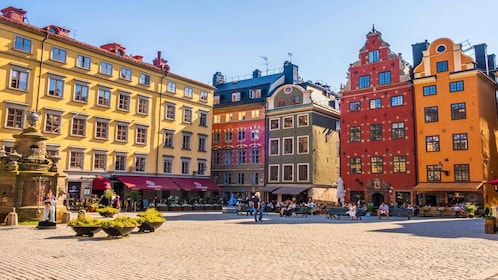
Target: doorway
(377,199)
(431,200)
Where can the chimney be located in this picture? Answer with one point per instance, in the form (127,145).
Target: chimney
(14,13)
(138,57)
(161,63)
(256,73)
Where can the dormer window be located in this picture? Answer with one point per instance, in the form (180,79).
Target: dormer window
(119,52)
(52,30)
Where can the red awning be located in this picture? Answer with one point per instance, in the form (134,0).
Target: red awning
(101,183)
(493,182)
(149,183)
(194,184)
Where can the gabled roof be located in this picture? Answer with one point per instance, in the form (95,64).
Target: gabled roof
(253,82)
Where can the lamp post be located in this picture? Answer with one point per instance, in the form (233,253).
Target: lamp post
(439,167)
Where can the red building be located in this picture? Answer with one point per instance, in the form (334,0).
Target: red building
(377,127)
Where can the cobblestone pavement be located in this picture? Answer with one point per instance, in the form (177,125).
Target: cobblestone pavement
(211,245)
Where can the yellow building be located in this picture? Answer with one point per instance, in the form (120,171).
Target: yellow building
(108,115)
(456,122)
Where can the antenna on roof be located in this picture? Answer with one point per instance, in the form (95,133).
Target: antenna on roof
(290,56)
(266,63)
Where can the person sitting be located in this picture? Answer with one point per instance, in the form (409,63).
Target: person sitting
(287,211)
(352,211)
(457,209)
(383,209)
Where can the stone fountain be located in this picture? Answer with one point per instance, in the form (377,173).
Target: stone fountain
(26,174)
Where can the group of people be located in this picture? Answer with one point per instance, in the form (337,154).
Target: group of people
(49,202)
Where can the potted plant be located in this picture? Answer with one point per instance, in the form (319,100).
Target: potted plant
(150,220)
(174,207)
(120,226)
(107,212)
(471,208)
(85,226)
(186,207)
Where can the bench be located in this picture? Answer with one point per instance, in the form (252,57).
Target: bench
(401,212)
(336,212)
(303,211)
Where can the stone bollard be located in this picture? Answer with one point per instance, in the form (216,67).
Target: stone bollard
(66,217)
(12,219)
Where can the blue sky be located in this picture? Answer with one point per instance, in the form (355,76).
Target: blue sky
(201,37)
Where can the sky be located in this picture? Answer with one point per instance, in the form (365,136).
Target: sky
(235,37)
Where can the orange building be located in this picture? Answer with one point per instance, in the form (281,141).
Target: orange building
(456,122)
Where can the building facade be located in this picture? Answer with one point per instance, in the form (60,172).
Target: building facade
(113,119)
(378,156)
(456,120)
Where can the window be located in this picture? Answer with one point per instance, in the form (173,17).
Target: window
(255,155)
(76,159)
(203,118)
(274,124)
(254,178)
(170,111)
(302,144)
(216,137)
(104,97)
(52,151)
(241,135)
(19,78)
(120,162)
(105,68)
(229,117)
(375,103)
(140,161)
(273,171)
(227,180)
(431,114)
(171,87)
(22,44)
(373,56)
(288,172)
(241,156)
(355,165)
(274,147)
(460,142)
(288,148)
(186,141)
(204,95)
(433,173)
(187,115)
(398,130)
(432,143)
(167,165)
(442,66)
(125,74)
(456,86)
(228,136)
(375,132)
(302,120)
(189,92)
(141,135)
(80,92)
(242,116)
(430,90)
(354,106)
(169,137)
(458,111)
(288,122)
(143,105)
(185,166)
(216,100)
(215,158)
(83,61)
(201,167)
(302,172)
(99,161)
(53,122)
(355,134)
(101,129)
(296,99)
(235,96)
(227,157)
(254,135)
(78,127)
(462,172)
(399,164)
(281,102)
(364,81)
(216,118)
(254,93)
(376,165)
(59,54)
(397,101)
(124,101)
(122,132)
(202,143)
(144,79)
(15,116)
(385,78)
(55,86)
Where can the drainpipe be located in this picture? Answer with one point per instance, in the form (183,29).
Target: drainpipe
(39,76)
(159,122)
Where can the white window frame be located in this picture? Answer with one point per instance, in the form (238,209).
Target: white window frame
(81,164)
(55,83)
(277,120)
(101,124)
(126,127)
(58,54)
(169,160)
(143,105)
(83,61)
(23,47)
(307,172)
(140,163)
(203,117)
(187,118)
(105,68)
(307,120)
(171,87)
(82,95)
(270,166)
(22,81)
(203,96)
(19,120)
(144,79)
(56,130)
(284,139)
(291,175)
(120,155)
(125,73)
(78,118)
(138,132)
(236,96)
(171,142)
(189,92)
(171,106)
(106,97)
(286,118)
(307,144)
(277,145)
(124,96)
(96,154)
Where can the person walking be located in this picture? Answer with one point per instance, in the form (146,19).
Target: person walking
(258,210)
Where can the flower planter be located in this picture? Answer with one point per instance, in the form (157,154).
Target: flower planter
(86,231)
(118,232)
(162,208)
(150,227)
(175,208)
(219,207)
(197,208)
(187,208)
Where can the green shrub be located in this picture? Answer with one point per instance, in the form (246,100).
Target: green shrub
(107,211)
(151,215)
(121,222)
(83,221)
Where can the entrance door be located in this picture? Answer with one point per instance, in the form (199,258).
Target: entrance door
(377,199)
(431,200)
